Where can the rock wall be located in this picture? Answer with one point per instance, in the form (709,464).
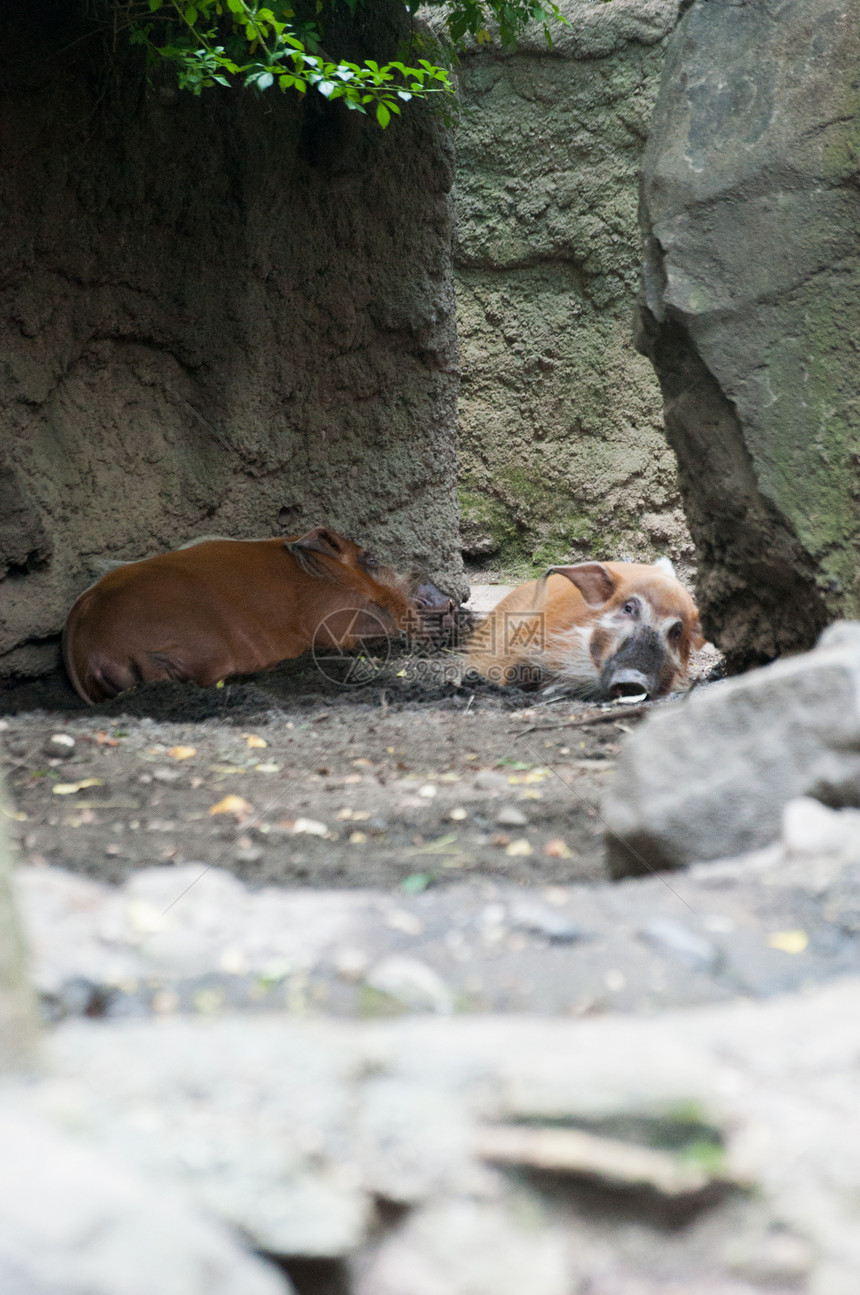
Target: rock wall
(751,219)
(562,450)
(219,315)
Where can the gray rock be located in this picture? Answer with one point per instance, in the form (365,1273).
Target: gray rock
(539,919)
(17,1002)
(751,308)
(680,943)
(810,828)
(709,777)
(468,1247)
(282,1127)
(560,445)
(77,1221)
(511,816)
(411,983)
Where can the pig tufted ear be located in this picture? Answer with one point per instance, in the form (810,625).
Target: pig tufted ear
(320,540)
(697,638)
(594,581)
(308,549)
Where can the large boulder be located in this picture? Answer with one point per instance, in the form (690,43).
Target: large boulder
(562,449)
(75,1220)
(751,310)
(231,314)
(709,777)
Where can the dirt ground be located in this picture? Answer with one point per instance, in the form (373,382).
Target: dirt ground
(374,811)
(299,779)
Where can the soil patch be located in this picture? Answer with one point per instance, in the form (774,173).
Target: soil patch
(408,776)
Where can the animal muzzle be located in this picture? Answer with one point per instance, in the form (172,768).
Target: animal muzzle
(437,609)
(637,667)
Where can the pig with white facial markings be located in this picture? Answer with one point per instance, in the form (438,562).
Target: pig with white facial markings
(605,629)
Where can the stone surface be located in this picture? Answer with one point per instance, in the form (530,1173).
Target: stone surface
(709,777)
(173,941)
(17,1002)
(468,1247)
(78,1221)
(562,451)
(750,212)
(252,1116)
(240,304)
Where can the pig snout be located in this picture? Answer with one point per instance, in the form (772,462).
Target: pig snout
(436,607)
(639,666)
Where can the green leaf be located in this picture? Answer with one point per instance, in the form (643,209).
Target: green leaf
(265,80)
(383,116)
(416,882)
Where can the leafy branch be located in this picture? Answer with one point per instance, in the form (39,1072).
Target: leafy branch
(227,42)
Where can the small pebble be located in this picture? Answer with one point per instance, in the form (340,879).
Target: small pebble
(510,816)
(680,944)
(163,774)
(59,745)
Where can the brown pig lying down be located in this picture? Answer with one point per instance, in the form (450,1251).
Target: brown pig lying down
(606,629)
(224,607)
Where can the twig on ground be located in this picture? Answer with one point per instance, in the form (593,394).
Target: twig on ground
(605,717)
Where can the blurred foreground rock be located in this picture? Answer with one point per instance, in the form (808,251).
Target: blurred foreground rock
(718,931)
(17,1002)
(709,1152)
(709,778)
(76,1220)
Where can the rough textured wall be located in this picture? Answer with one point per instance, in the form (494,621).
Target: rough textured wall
(562,450)
(219,315)
(751,213)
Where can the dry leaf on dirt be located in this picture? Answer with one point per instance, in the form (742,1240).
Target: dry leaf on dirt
(233,805)
(533,775)
(101,739)
(439,846)
(256,743)
(69,788)
(557,848)
(520,848)
(182,752)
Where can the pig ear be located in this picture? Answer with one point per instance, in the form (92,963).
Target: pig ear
(308,549)
(319,540)
(594,581)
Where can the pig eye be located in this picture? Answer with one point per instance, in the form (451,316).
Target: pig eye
(368,561)
(631,607)
(675,632)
